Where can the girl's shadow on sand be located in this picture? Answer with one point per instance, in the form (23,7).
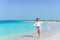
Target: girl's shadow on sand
(29,36)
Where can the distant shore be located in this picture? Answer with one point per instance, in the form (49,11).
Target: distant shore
(29,20)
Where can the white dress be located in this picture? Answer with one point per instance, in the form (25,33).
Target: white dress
(38,24)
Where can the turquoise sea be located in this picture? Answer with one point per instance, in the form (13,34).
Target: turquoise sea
(9,27)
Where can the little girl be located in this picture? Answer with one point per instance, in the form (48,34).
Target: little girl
(38,26)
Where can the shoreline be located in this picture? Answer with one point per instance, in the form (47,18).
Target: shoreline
(46,35)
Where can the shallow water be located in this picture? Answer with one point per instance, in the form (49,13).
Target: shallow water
(16,27)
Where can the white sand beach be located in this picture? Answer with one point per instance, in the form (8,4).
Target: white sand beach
(53,34)
(54,37)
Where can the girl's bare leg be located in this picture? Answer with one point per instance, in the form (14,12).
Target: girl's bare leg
(39,33)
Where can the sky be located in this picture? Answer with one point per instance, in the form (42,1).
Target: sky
(29,9)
